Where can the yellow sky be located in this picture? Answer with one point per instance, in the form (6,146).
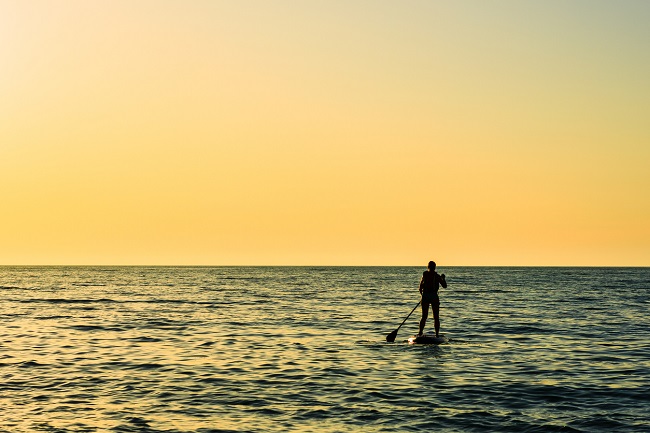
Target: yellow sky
(325,132)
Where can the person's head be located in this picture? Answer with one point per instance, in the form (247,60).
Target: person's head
(431,266)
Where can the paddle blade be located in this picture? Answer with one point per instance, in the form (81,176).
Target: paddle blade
(391,337)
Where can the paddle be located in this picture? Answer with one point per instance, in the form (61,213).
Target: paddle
(391,337)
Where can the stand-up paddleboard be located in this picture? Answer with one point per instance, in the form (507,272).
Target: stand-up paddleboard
(428,339)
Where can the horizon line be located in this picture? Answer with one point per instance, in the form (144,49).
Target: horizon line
(310,266)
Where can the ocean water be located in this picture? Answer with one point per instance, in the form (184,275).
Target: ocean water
(284,349)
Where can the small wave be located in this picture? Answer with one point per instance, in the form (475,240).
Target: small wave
(30,364)
(63,301)
(140,422)
(88,327)
(207,344)
(216,430)
(128,365)
(314,414)
(88,285)
(212,380)
(55,317)
(145,339)
(146,366)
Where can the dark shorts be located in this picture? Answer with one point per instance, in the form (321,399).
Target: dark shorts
(430,298)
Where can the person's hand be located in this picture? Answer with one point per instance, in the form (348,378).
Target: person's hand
(442,276)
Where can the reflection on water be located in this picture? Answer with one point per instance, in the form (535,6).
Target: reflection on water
(302,349)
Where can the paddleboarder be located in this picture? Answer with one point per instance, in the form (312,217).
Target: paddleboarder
(429,285)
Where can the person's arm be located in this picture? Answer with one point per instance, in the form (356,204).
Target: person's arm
(421,284)
(443,282)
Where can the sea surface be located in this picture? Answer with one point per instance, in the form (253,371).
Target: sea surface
(302,349)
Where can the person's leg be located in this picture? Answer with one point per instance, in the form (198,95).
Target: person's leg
(436,316)
(425,314)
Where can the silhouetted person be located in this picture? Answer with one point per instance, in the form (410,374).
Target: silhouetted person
(429,286)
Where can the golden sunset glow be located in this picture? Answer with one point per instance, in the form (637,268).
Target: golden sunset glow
(325,132)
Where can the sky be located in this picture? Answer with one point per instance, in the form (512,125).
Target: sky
(286,132)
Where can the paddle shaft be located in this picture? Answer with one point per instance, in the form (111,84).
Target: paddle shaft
(407,316)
